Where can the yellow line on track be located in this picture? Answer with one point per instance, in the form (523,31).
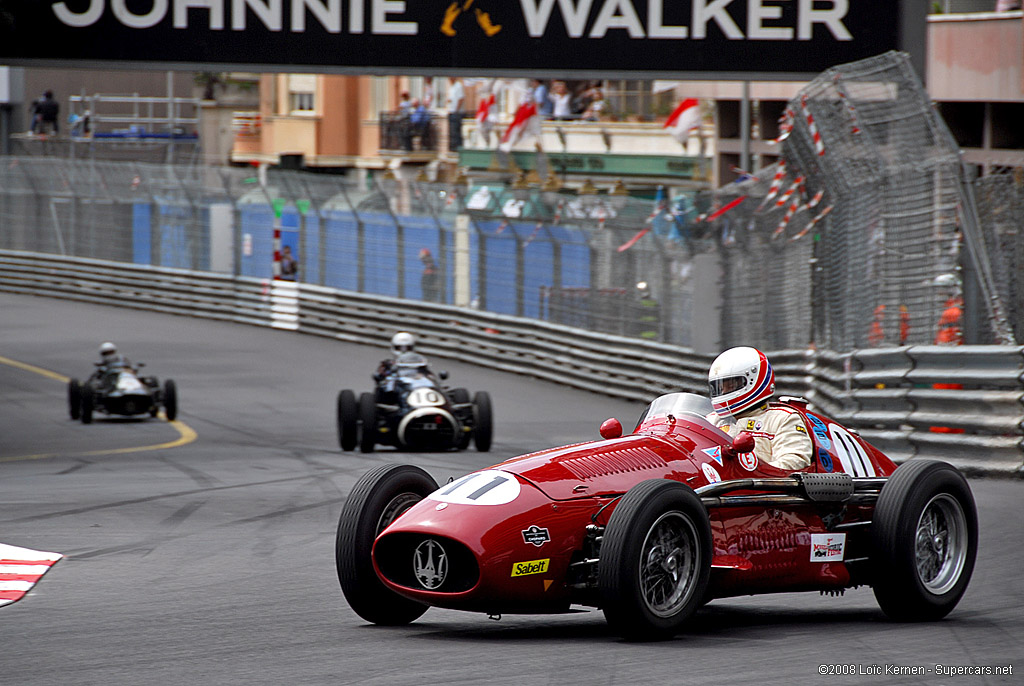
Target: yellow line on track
(185,433)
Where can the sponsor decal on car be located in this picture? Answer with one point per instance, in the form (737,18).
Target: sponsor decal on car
(531,567)
(710,472)
(825,459)
(827,547)
(536,535)
(820,431)
(714,453)
(748,461)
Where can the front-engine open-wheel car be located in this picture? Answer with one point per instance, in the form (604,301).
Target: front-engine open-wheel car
(655,560)
(377,499)
(924,535)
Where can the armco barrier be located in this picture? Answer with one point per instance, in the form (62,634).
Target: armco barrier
(888,395)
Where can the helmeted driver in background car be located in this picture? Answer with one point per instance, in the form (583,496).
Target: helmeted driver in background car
(110,361)
(742,382)
(401,342)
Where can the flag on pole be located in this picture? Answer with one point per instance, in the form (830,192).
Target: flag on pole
(485,115)
(523,124)
(685,118)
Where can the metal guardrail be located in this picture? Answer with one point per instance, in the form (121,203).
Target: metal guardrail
(888,395)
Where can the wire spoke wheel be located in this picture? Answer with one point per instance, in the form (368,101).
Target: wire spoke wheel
(941,544)
(668,564)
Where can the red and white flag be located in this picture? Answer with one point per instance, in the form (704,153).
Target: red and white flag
(524,123)
(685,118)
(485,111)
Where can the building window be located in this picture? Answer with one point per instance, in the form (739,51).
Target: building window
(301,93)
(302,102)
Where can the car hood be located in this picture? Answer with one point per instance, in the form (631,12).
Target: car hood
(604,467)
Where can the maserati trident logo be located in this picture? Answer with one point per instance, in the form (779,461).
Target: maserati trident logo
(430,564)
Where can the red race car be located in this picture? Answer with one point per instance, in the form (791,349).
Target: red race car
(649,527)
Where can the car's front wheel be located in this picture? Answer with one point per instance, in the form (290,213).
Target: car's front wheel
(75,398)
(170,400)
(368,420)
(924,536)
(655,560)
(483,421)
(348,420)
(377,499)
(88,404)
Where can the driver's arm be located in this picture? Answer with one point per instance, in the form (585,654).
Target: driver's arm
(792,447)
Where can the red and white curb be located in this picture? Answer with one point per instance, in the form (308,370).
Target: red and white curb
(21,569)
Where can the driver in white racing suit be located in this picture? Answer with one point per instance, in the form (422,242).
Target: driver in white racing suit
(742,382)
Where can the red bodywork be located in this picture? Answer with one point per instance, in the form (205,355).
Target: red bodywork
(524,549)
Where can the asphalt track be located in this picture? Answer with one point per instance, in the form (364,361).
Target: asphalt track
(202,551)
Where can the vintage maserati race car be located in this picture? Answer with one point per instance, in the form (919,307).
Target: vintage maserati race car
(412,410)
(120,390)
(650,526)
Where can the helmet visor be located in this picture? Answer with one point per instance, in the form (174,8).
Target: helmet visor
(726,385)
(403,348)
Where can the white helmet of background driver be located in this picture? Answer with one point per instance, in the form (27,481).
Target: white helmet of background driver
(107,349)
(740,379)
(402,342)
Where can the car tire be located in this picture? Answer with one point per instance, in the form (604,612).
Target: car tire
(634,569)
(88,404)
(75,398)
(924,541)
(483,421)
(368,422)
(348,420)
(170,400)
(377,499)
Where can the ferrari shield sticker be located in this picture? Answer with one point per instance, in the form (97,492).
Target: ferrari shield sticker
(748,461)
(489,487)
(536,535)
(827,547)
(714,453)
(710,473)
(530,567)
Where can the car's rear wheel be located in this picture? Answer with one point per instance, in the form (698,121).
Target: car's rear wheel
(924,536)
(75,398)
(88,404)
(375,502)
(483,421)
(368,421)
(170,400)
(348,420)
(655,560)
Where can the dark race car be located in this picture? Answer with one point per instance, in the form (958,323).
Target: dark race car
(650,526)
(411,409)
(118,389)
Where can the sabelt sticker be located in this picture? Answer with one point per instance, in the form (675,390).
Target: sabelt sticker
(828,547)
(536,535)
(714,453)
(530,567)
(710,473)
(489,487)
(748,461)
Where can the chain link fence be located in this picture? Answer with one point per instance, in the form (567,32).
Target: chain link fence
(864,231)
(860,236)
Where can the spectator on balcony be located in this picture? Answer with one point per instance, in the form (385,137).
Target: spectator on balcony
(418,125)
(429,283)
(404,104)
(44,114)
(540,98)
(456,97)
(561,100)
(597,107)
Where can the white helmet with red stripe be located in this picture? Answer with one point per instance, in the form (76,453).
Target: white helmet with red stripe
(740,378)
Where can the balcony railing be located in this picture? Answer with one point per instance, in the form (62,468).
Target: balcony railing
(402,132)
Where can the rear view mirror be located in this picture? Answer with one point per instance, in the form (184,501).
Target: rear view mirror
(611,428)
(742,443)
